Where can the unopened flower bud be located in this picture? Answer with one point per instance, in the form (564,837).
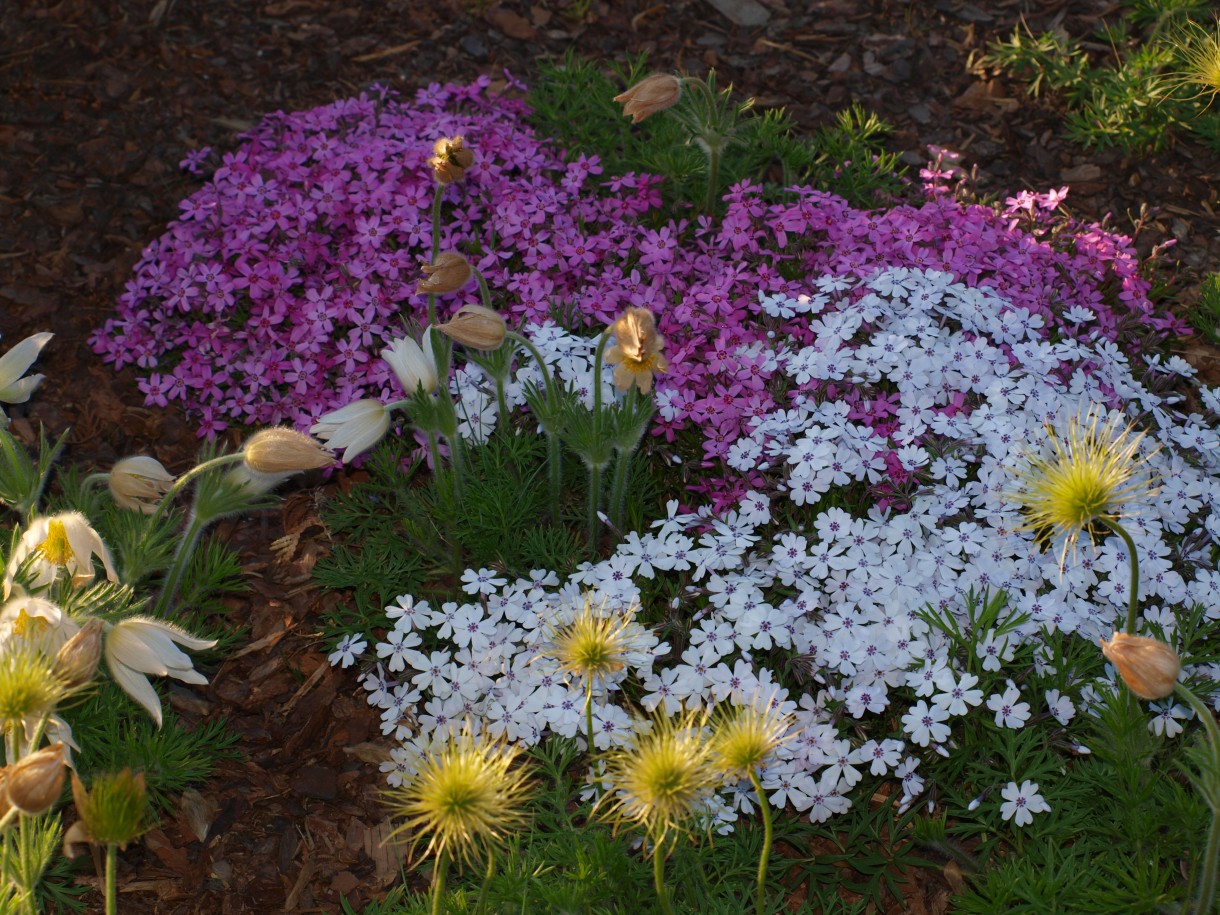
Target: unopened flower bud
(650,95)
(1149,667)
(450,159)
(449,273)
(77,659)
(476,327)
(138,483)
(114,811)
(35,782)
(284,450)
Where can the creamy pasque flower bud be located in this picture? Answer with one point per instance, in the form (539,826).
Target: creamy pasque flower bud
(450,159)
(476,327)
(284,450)
(1149,667)
(414,366)
(650,95)
(449,273)
(36,781)
(77,659)
(139,482)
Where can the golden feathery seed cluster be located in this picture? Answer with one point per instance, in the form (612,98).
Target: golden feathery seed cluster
(466,797)
(1093,474)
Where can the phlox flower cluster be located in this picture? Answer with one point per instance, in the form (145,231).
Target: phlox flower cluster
(973,384)
(269,298)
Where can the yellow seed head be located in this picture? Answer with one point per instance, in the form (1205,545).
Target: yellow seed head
(595,644)
(1094,474)
(746,736)
(29,684)
(467,796)
(661,781)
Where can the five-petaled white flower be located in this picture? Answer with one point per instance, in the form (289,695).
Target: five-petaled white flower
(1022,802)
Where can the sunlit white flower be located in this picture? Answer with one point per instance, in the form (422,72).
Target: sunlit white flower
(140,645)
(355,428)
(413,365)
(58,542)
(138,483)
(13,365)
(35,622)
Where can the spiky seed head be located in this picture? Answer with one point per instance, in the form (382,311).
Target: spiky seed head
(467,796)
(661,780)
(1094,473)
(744,737)
(595,644)
(29,684)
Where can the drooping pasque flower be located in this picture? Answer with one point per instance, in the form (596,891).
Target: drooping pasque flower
(636,355)
(414,366)
(13,365)
(140,645)
(354,428)
(139,482)
(1149,667)
(651,94)
(1093,474)
(450,160)
(448,273)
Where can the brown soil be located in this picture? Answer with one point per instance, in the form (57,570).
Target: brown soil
(101,98)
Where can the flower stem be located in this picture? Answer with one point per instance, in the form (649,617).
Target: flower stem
(112,886)
(491,870)
(1206,896)
(437,193)
(1133,604)
(767,834)
(618,487)
(658,877)
(714,151)
(589,711)
(438,883)
(595,486)
(182,558)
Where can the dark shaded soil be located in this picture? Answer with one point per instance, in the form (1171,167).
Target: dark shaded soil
(100,99)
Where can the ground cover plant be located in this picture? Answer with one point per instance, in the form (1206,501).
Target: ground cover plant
(872,382)
(1156,79)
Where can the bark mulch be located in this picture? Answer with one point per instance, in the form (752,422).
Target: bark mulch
(100,99)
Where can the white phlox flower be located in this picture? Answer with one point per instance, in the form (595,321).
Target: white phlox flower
(140,645)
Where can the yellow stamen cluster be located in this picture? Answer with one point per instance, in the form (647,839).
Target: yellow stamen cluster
(56,549)
(595,644)
(637,355)
(466,797)
(662,779)
(1093,474)
(744,738)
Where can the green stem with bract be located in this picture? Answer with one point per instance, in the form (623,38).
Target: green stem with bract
(658,877)
(1133,597)
(438,883)
(112,886)
(1206,896)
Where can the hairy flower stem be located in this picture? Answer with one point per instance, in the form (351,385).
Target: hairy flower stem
(438,883)
(595,471)
(767,833)
(714,150)
(554,453)
(437,193)
(618,487)
(1133,603)
(1206,896)
(589,710)
(112,886)
(658,877)
(182,558)
(491,871)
